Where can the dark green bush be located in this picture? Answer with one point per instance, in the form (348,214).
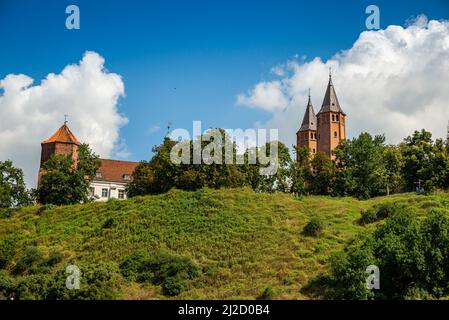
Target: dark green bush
(45,207)
(173,286)
(313,228)
(368,216)
(267,294)
(30,258)
(7,250)
(164,269)
(54,258)
(108,223)
(412,256)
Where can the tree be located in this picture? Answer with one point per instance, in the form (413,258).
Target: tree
(13,192)
(322,174)
(65,182)
(394,162)
(300,170)
(361,169)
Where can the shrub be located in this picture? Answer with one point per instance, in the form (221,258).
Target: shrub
(267,294)
(164,269)
(368,216)
(411,254)
(313,228)
(173,286)
(54,258)
(108,223)
(30,258)
(7,251)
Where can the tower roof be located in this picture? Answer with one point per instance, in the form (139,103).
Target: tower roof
(63,135)
(330,101)
(309,120)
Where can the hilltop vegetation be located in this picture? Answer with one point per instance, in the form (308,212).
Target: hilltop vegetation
(205,244)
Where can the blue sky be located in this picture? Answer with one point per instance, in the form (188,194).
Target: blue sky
(186,60)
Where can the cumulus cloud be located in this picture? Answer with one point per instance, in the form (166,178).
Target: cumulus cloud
(391,81)
(29,113)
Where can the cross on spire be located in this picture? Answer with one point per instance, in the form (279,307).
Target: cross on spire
(65,119)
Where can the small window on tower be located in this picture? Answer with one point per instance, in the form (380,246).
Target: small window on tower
(333,117)
(335,134)
(313,150)
(338,118)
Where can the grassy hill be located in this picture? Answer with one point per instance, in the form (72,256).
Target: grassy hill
(241,241)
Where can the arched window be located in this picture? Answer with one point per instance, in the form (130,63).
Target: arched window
(335,134)
(314,150)
(333,117)
(338,118)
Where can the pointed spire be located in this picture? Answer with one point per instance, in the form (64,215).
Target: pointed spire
(330,101)
(309,120)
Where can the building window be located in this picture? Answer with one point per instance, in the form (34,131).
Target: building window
(338,118)
(126,177)
(98,174)
(335,134)
(313,150)
(333,117)
(92,191)
(104,193)
(121,194)
(311,135)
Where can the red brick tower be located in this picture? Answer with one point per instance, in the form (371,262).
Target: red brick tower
(331,122)
(62,142)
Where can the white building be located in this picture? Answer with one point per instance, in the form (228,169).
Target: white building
(111,179)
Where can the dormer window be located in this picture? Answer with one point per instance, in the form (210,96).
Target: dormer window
(126,177)
(98,174)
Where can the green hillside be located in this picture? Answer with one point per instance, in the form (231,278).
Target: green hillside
(242,242)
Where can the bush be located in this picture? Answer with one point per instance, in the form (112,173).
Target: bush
(267,294)
(164,269)
(411,254)
(29,259)
(173,286)
(54,258)
(379,212)
(7,251)
(108,223)
(313,228)
(368,216)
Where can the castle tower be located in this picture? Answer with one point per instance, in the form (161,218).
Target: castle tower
(306,135)
(62,142)
(331,122)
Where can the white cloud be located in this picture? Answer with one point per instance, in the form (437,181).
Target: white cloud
(31,113)
(265,95)
(391,81)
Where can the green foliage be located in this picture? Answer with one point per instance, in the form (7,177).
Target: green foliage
(243,241)
(13,192)
(412,256)
(425,161)
(267,294)
(8,247)
(161,174)
(160,269)
(313,228)
(379,212)
(322,175)
(64,183)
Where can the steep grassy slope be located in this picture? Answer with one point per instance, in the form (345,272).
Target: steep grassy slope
(243,242)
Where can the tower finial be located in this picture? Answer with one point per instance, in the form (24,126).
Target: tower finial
(65,119)
(309,92)
(330,73)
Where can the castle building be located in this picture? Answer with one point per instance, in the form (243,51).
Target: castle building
(322,132)
(111,177)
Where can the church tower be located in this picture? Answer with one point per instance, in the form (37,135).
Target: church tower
(62,142)
(331,122)
(306,135)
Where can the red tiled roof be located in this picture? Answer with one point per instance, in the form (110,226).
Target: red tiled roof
(63,135)
(115,170)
